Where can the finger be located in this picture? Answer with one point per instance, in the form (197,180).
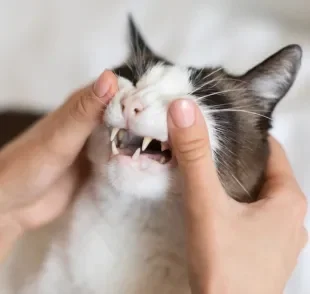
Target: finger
(189,138)
(279,177)
(50,206)
(36,158)
(52,203)
(278,165)
(72,123)
(55,198)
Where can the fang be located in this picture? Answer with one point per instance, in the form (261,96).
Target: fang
(114,133)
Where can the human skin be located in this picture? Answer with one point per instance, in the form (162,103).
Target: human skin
(42,168)
(234,247)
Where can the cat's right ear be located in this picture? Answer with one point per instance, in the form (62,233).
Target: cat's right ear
(271,79)
(137,43)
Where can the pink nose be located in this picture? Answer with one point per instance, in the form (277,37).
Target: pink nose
(131,107)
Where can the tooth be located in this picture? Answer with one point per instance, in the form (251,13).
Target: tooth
(114,133)
(114,148)
(146,142)
(162,160)
(164,146)
(121,134)
(122,146)
(136,154)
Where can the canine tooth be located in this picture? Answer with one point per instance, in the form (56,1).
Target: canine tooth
(114,133)
(146,142)
(114,148)
(164,146)
(136,154)
(162,160)
(121,134)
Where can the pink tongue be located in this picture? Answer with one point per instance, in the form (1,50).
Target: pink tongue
(156,157)
(129,152)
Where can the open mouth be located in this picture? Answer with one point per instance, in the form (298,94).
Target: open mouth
(126,143)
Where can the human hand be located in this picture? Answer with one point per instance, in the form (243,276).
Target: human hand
(41,169)
(235,247)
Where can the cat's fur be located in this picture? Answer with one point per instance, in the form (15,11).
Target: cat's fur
(124,233)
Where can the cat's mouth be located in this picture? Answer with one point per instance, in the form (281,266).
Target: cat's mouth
(125,142)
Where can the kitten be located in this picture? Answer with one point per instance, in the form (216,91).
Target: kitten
(124,233)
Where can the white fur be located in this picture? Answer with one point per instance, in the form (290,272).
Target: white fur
(124,233)
(269,86)
(40,66)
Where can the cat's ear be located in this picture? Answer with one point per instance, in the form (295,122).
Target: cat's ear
(271,80)
(137,43)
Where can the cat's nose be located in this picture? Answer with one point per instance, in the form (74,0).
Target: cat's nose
(131,107)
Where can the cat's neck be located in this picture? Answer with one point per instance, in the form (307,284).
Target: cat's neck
(103,189)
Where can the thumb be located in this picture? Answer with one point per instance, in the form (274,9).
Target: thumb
(40,155)
(72,123)
(189,138)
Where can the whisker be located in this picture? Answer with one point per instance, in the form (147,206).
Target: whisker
(248,107)
(238,110)
(213,72)
(199,87)
(241,185)
(218,93)
(218,106)
(224,80)
(234,177)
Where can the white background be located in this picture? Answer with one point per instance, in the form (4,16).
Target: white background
(49,48)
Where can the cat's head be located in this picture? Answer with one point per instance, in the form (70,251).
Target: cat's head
(130,149)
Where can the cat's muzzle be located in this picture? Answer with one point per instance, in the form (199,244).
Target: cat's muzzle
(126,143)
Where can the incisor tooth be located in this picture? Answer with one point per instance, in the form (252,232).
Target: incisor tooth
(136,154)
(146,142)
(114,148)
(114,133)
(162,160)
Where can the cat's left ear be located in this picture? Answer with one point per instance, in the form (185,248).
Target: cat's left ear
(271,80)
(137,43)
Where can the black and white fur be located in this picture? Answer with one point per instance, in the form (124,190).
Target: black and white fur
(124,233)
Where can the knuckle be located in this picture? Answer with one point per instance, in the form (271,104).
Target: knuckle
(193,150)
(80,107)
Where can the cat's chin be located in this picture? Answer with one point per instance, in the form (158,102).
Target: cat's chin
(142,177)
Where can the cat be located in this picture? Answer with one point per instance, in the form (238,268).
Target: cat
(124,233)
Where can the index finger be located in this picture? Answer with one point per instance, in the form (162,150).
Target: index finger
(35,159)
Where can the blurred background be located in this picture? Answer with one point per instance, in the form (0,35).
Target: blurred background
(50,48)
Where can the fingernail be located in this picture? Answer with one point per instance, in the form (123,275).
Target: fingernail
(182,113)
(101,87)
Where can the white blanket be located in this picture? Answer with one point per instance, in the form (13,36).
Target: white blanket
(48,48)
